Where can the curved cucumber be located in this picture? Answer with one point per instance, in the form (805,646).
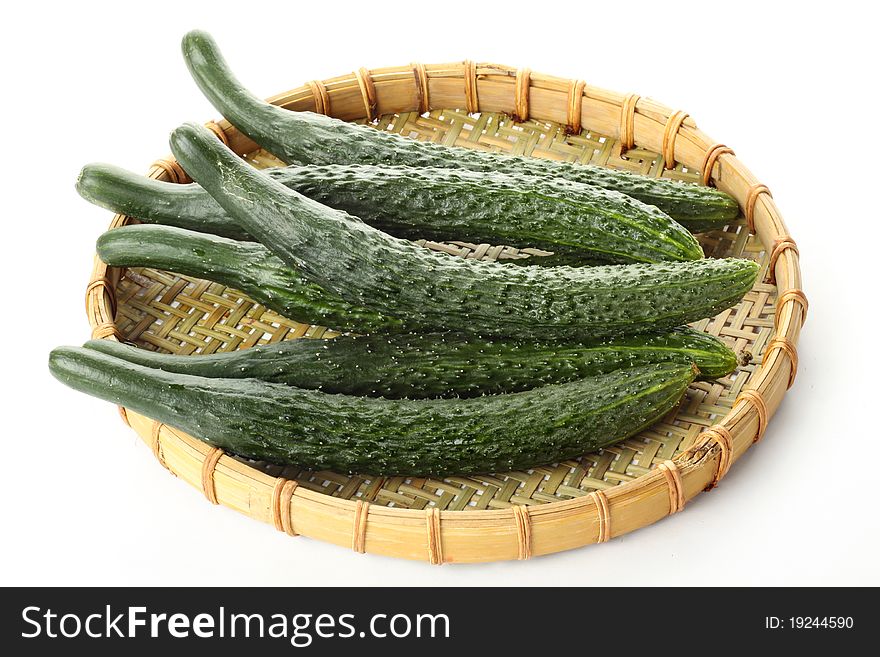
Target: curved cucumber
(154,201)
(566,218)
(245,266)
(286,425)
(307,138)
(367,267)
(435,365)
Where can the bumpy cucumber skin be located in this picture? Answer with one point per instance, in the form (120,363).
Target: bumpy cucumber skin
(572,220)
(436,437)
(308,138)
(435,365)
(245,266)
(371,269)
(566,218)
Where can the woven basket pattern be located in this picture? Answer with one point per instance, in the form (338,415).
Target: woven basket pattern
(514,515)
(176,314)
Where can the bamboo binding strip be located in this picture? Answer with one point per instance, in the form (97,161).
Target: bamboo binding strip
(756,399)
(322,98)
(521,94)
(754,192)
(107,288)
(208,467)
(575,105)
(420,77)
(106,330)
(155,440)
(173,171)
(795,295)
(712,154)
(603,514)
(359,532)
(780,245)
(523,532)
(670,132)
(627,129)
(368,92)
(435,542)
(719,435)
(673,481)
(787,346)
(217,130)
(481,519)
(284,511)
(471,97)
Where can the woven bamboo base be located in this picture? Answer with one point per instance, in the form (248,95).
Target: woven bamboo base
(504,515)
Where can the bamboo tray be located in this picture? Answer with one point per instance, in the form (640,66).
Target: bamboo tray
(511,515)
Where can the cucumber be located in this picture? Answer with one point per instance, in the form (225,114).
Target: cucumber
(369,268)
(569,219)
(246,266)
(435,365)
(434,437)
(307,138)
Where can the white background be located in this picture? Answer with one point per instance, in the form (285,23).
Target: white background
(791,86)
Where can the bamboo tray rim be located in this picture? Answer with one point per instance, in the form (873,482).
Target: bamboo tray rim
(444,536)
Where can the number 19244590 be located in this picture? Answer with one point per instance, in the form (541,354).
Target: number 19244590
(809,622)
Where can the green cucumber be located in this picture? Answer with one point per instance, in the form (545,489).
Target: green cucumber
(369,268)
(435,365)
(307,138)
(427,437)
(246,266)
(576,221)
